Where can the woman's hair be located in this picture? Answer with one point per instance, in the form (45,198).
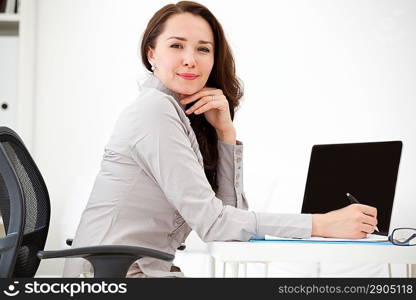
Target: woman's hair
(222,76)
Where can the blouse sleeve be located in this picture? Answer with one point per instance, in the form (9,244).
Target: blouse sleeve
(230,175)
(163,150)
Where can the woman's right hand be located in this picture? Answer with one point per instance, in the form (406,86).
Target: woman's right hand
(354,221)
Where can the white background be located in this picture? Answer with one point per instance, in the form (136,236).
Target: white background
(314,72)
(8,76)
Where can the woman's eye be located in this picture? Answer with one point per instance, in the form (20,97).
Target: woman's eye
(178,46)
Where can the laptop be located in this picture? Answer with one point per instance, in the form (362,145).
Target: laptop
(368,171)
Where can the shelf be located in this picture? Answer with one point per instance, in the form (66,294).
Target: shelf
(9,24)
(9,18)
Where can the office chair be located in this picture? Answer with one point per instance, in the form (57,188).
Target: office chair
(25,208)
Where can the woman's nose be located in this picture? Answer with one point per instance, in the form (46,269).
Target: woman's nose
(189,59)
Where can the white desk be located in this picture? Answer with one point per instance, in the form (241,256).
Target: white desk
(236,253)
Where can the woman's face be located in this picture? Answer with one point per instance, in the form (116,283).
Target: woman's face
(184,54)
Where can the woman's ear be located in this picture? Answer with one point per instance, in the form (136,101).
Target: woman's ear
(150,55)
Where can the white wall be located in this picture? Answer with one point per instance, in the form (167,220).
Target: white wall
(314,72)
(8,79)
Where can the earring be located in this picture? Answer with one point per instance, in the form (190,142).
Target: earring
(153,66)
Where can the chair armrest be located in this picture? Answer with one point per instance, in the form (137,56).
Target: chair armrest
(120,250)
(69,243)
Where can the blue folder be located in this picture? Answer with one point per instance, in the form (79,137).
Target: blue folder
(321,242)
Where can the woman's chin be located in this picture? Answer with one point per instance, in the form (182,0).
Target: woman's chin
(182,93)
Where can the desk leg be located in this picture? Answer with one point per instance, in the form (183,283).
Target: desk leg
(212,266)
(318,269)
(266,269)
(389,269)
(234,269)
(413,271)
(245,270)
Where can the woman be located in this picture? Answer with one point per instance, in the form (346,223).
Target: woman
(173,164)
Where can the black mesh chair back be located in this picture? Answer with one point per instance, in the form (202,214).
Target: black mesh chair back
(24,207)
(25,210)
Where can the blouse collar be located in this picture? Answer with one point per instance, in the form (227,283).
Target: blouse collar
(152,81)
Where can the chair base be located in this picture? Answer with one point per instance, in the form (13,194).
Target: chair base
(111,266)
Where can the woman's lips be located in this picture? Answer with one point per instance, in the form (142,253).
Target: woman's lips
(188,76)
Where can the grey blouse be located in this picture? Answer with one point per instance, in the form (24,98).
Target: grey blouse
(151,190)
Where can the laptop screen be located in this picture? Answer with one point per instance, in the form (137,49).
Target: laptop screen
(368,171)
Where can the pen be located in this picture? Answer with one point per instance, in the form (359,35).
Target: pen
(354,200)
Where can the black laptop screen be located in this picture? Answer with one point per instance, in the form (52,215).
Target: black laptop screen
(368,171)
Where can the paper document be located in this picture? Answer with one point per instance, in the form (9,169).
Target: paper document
(369,238)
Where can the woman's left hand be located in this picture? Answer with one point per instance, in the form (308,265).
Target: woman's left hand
(214,105)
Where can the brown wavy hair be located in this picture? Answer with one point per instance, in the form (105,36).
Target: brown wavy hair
(223,76)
